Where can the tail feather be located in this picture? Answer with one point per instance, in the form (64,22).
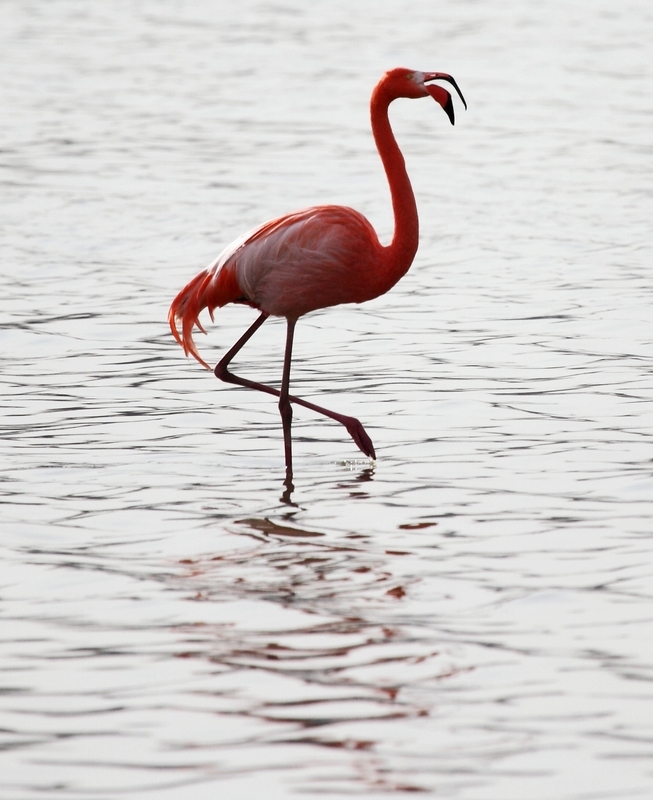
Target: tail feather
(209,290)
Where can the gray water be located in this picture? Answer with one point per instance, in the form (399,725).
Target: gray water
(468,617)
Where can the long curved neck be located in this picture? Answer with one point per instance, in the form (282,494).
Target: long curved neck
(401,250)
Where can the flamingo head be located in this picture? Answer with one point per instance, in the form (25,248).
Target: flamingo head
(412,83)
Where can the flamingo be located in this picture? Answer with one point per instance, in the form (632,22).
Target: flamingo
(314,258)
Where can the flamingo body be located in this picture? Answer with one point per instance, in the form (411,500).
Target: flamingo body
(315,258)
(318,257)
(311,259)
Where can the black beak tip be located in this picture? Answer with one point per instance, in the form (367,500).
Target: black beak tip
(449,111)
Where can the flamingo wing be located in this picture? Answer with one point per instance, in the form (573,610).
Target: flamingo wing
(314,258)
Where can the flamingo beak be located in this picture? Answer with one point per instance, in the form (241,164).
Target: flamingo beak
(441,95)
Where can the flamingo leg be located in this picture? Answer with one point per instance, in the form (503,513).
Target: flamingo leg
(285,408)
(353,426)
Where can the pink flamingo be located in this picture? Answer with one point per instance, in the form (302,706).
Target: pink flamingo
(315,258)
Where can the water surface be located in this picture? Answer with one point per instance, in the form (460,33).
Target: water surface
(470,616)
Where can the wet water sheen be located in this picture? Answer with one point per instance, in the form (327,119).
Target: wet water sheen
(469,617)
